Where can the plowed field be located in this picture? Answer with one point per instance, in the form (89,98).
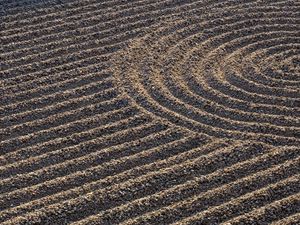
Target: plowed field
(150,112)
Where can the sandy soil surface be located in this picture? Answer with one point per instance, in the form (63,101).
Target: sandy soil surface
(150,112)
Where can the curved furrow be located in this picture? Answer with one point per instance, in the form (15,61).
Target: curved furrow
(17,158)
(284,70)
(98,62)
(171,87)
(71,167)
(149,112)
(92,12)
(37,162)
(139,170)
(53,15)
(35,91)
(42,136)
(67,67)
(218,108)
(290,220)
(83,104)
(74,115)
(124,194)
(235,78)
(75,141)
(151,205)
(68,3)
(258,57)
(12,86)
(79,178)
(71,50)
(142,100)
(274,211)
(206,201)
(59,62)
(163,97)
(55,128)
(259,98)
(7,185)
(46,100)
(14,144)
(213,120)
(72,41)
(189,97)
(273,192)
(139,13)
(178,10)
(255,74)
(171,176)
(13,8)
(115,165)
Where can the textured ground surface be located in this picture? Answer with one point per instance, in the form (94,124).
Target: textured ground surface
(150,112)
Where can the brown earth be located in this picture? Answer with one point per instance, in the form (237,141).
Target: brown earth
(149,112)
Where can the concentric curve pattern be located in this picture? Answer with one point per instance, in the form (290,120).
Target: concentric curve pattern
(149,112)
(231,73)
